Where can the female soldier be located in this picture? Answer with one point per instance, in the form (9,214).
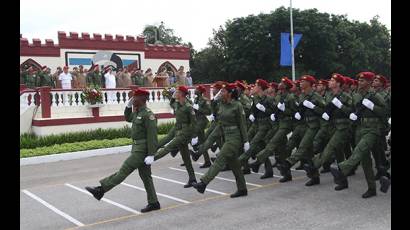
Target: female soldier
(233,125)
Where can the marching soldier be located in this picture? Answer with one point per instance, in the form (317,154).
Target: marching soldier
(144,135)
(310,109)
(202,108)
(185,123)
(233,125)
(369,109)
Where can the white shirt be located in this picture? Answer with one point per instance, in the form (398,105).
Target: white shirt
(109,81)
(65,79)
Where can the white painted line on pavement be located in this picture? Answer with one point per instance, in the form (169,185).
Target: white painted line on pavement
(217,177)
(159,194)
(178,182)
(104,199)
(199,163)
(54,209)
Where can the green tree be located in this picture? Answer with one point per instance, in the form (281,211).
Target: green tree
(161,35)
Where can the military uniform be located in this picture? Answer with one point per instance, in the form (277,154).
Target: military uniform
(367,134)
(144,143)
(185,122)
(233,125)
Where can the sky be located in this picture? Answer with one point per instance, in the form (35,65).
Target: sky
(192,20)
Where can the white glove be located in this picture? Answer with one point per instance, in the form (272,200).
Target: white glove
(337,103)
(211,117)
(281,106)
(174,94)
(297,103)
(297,116)
(149,160)
(172,90)
(389,121)
(260,107)
(193,100)
(368,103)
(352,117)
(195,106)
(251,118)
(130,102)
(218,95)
(246,146)
(308,104)
(325,116)
(272,117)
(194,141)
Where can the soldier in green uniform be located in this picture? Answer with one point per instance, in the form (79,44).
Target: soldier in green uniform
(261,110)
(310,109)
(286,107)
(326,130)
(298,128)
(378,152)
(44,78)
(202,108)
(144,138)
(232,118)
(94,77)
(214,132)
(336,113)
(369,109)
(30,78)
(185,123)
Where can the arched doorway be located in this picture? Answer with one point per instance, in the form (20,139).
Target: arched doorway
(168,65)
(30,62)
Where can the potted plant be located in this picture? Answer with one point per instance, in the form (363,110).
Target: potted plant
(93,96)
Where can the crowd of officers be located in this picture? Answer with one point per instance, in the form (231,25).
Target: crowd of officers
(333,125)
(95,76)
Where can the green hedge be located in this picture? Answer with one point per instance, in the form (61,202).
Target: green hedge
(30,141)
(76,146)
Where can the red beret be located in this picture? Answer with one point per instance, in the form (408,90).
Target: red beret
(348,80)
(274,85)
(366,75)
(355,82)
(323,82)
(201,88)
(382,79)
(262,83)
(183,88)
(287,82)
(229,86)
(141,92)
(240,84)
(308,78)
(339,78)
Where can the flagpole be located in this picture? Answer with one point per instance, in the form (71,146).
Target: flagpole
(291,42)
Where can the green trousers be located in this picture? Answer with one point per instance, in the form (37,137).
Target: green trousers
(200,133)
(366,139)
(209,131)
(211,138)
(228,155)
(276,145)
(295,138)
(133,162)
(179,142)
(333,148)
(305,148)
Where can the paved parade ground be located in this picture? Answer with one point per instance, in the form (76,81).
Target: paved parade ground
(53,197)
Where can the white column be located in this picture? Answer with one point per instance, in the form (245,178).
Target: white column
(53,99)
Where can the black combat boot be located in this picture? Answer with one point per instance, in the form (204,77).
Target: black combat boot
(369,193)
(239,193)
(194,155)
(255,166)
(313,181)
(205,165)
(268,170)
(151,207)
(174,153)
(342,185)
(286,177)
(200,187)
(384,184)
(325,168)
(97,192)
(246,170)
(338,176)
(284,167)
(190,183)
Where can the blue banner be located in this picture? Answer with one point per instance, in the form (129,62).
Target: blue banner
(285,51)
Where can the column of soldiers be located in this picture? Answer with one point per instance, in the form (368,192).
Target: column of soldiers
(333,124)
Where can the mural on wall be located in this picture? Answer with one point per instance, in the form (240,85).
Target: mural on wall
(103,58)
